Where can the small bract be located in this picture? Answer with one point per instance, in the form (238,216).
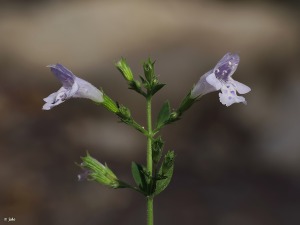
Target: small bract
(73,87)
(219,78)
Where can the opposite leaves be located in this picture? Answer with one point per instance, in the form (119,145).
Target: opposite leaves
(165,172)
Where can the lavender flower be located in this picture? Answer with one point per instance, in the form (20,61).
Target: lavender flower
(220,79)
(84,175)
(73,87)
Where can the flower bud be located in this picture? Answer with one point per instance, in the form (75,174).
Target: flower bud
(124,112)
(149,71)
(125,69)
(174,116)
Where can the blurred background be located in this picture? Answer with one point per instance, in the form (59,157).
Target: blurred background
(235,165)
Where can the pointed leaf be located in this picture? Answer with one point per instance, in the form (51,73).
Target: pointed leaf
(163,115)
(156,88)
(157,147)
(139,176)
(165,173)
(142,79)
(163,182)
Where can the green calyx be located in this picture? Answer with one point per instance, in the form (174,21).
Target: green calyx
(110,104)
(99,172)
(125,70)
(149,70)
(186,103)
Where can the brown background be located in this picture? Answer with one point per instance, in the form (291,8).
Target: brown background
(236,165)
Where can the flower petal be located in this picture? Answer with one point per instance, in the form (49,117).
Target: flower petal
(228,100)
(226,66)
(55,99)
(241,88)
(87,90)
(65,76)
(50,98)
(59,97)
(229,57)
(84,175)
(202,87)
(212,80)
(228,95)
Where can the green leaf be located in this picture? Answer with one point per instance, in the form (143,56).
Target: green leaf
(165,173)
(138,174)
(163,182)
(145,83)
(156,88)
(157,147)
(136,86)
(163,115)
(143,80)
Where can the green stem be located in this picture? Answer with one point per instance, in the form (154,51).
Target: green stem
(150,210)
(150,137)
(149,161)
(139,127)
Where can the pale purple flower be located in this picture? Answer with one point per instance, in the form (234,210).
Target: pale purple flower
(73,87)
(220,79)
(84,175)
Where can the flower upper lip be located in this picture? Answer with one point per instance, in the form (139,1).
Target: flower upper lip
(65,76)
(226,66)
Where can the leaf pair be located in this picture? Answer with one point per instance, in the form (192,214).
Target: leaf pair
(166,172)
(153,185)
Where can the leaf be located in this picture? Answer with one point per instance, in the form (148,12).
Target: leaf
(156,88)
(165,173)
(157,147)
(145,82)
(163,115)
(164,182)
(139,176)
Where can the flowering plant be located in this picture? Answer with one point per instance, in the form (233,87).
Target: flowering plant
(150,179)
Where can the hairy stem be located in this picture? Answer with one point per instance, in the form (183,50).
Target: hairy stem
(150,210)
(149,161)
